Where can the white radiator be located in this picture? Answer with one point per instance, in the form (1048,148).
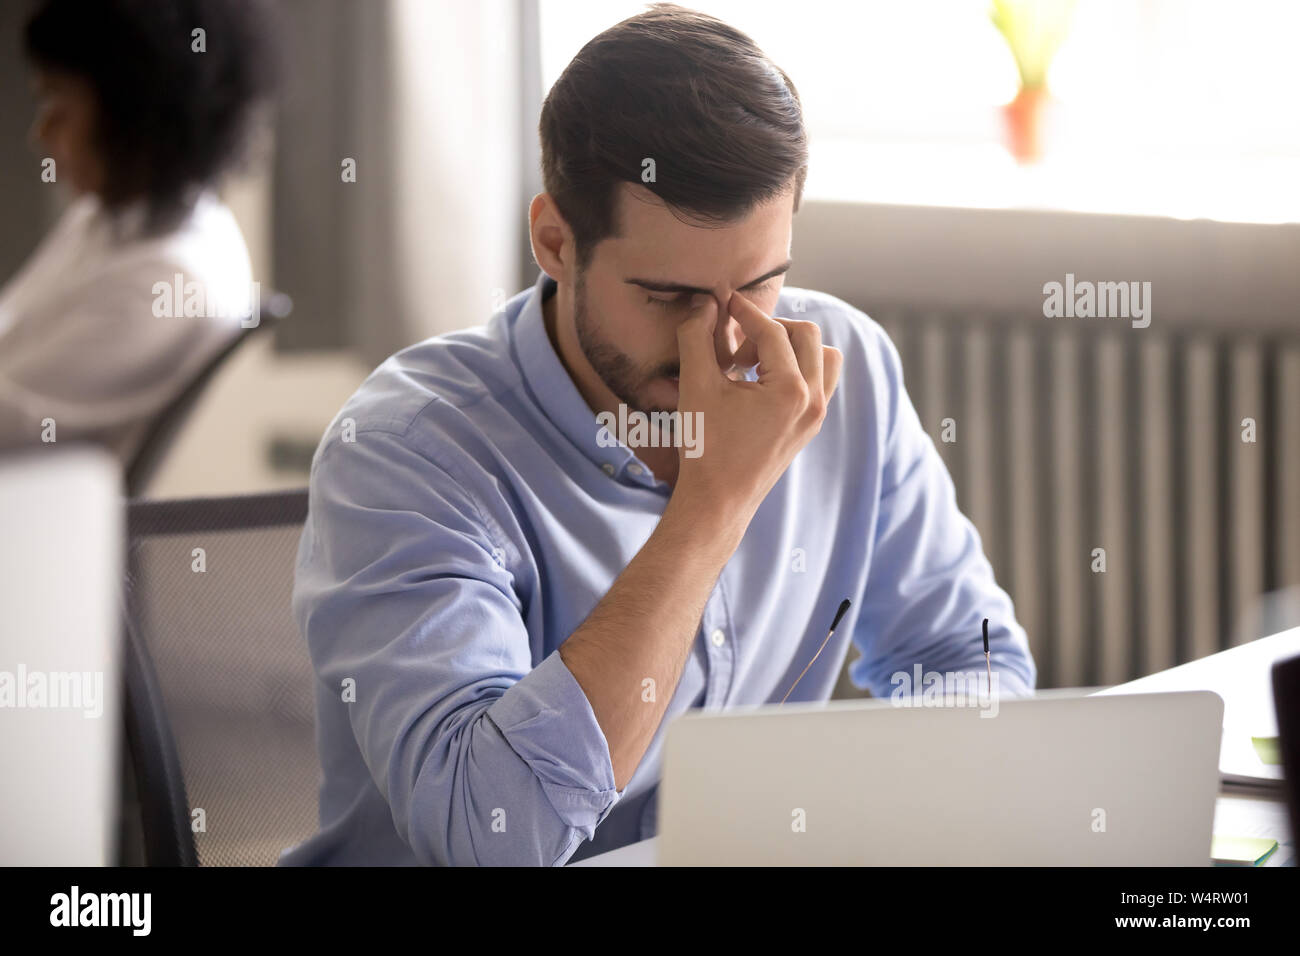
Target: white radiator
(1078,434)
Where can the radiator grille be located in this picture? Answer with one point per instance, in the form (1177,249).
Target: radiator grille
(1075,434)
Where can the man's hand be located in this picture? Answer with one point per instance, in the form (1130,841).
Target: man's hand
(752,430)
(645,625)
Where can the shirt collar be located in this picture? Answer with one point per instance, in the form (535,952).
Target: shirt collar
(552,388)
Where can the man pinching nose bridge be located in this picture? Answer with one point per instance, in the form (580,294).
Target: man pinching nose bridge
(532,601)
(755,428)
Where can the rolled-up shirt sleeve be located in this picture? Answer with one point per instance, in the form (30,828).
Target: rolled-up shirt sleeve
(485,754)
(930,584)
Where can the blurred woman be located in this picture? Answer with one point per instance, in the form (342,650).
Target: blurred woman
(143,105)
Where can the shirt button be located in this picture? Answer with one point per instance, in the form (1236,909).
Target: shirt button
(607,468)
(635,469)
(718,638)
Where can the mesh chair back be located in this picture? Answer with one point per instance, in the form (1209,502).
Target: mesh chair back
(222,687)
(166,428)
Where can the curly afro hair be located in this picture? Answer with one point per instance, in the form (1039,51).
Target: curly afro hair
(170,120)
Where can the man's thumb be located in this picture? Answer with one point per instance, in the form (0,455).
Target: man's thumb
(695,342)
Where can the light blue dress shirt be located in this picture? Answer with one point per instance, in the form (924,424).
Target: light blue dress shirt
(464,521)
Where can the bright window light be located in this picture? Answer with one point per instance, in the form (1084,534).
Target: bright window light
(1184,108)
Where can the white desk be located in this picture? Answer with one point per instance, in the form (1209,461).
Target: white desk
(1256,815)
(1242,677)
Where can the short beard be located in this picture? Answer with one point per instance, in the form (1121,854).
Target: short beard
(619,373)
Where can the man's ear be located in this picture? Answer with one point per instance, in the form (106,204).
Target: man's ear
(551,238)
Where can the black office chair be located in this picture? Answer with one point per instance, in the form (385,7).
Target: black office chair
(162,433)
(1286,701)
(219,686)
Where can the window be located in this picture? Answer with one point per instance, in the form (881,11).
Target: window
(1181,108)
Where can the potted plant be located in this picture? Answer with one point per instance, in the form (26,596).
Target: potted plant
(1034,30)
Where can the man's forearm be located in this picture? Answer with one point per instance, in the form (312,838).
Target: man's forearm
(644,627)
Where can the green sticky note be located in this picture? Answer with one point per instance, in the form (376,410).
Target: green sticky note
(1240,851)
(1266,747)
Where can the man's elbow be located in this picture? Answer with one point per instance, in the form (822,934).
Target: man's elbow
(479,804)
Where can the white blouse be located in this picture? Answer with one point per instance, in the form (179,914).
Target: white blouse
(93,337)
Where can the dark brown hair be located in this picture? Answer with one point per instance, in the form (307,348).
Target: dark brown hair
(721,121)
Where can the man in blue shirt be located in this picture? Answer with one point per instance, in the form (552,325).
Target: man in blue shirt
(509,590)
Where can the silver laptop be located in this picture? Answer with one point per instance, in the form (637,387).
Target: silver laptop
(1059,779)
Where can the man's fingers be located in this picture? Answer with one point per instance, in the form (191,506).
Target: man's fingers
(806,340)
(776,356)
(746,356)
(832,363)
(697,357)
(820,364)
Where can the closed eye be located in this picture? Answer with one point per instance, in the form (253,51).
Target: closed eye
(681,301)
(684,300)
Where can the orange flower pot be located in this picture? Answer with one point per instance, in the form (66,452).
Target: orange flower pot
(1024,117)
